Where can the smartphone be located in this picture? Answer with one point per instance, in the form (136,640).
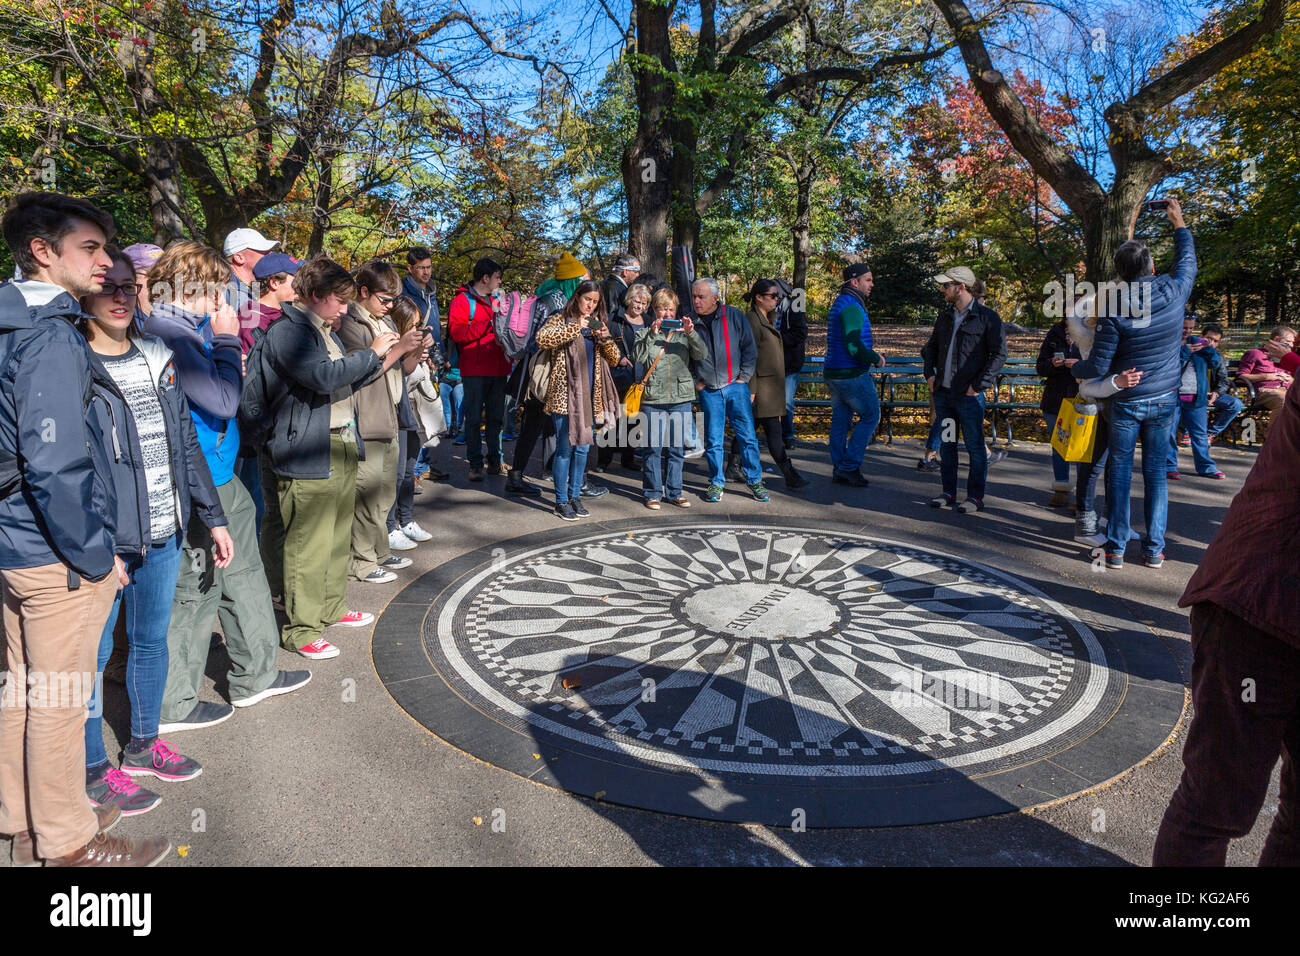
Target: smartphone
(1195,340)
(1157,205)
(670,325)
(1058,356)
(593,322)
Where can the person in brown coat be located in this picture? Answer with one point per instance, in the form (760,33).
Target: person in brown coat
(767,387)
(1245,623)
(581,397)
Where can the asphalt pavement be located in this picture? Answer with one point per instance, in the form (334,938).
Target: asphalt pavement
(338,774)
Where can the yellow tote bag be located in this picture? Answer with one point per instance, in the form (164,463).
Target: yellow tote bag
(1075,432)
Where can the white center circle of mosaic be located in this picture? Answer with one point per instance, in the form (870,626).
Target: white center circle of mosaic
(773,650)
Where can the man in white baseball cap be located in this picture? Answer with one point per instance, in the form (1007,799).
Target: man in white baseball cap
(242,249)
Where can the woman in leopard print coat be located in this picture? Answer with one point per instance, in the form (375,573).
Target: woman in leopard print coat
(580,397)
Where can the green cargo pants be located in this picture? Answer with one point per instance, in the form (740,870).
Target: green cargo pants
(376,492)
(317,516)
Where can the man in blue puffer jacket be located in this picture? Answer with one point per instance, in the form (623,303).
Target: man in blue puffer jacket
(1142,328)
(57,523)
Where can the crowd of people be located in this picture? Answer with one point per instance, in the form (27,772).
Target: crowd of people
(245,432)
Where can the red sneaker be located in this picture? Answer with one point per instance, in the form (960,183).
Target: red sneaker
(319,650)
(355,619)
(1173,475)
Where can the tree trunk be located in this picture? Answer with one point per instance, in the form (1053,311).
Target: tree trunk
(320,210)
(648,162)
(162,184)
(1270,305)
(802,228)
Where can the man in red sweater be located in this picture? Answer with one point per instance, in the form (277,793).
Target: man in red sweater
(1245,601)
(484,367)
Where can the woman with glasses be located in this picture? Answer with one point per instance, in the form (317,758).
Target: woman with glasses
(383,416)
(157,469)
(581,397)
(669,392)
(767,387)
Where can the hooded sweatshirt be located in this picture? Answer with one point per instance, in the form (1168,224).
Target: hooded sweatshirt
(209,373)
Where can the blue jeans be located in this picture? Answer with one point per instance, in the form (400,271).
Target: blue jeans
(453,400)
(848,442)
(570,465)
(147,603)
(1148,420)
(1196,421)
(730,404)
(666,431)
(1226,408)
(1060,469)
(967,412)
(787,422)
(932,440)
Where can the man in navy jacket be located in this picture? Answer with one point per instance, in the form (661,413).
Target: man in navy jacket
(57,565)
(1141,326)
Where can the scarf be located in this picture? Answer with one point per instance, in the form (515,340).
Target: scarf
(565,286)
(583,415)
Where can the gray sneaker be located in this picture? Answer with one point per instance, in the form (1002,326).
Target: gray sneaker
(204,714)
(108,786)
(286,682)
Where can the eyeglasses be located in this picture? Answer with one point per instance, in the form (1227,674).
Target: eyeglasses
(128,289)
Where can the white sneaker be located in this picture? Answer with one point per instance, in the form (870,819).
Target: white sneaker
(415,532)
(400,542)
(379,576)
(354,619)
(693,453)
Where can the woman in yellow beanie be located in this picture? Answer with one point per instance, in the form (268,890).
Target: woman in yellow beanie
(567,267)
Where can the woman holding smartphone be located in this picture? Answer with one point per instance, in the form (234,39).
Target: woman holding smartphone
(669,392)
(158,469)
(581,396)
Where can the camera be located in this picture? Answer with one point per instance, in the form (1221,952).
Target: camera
(1157,205)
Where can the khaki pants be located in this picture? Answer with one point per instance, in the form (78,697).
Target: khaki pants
(317,515)
(52,638)
(376,492)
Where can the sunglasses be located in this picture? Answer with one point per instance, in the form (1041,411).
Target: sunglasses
(126,288)
(387,299)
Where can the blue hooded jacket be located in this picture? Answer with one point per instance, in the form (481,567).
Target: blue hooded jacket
(64,509)
(1149,339)
(209,372)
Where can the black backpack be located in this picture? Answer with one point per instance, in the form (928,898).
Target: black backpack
(262,393)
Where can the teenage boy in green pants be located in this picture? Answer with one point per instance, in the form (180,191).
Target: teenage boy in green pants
(314,447)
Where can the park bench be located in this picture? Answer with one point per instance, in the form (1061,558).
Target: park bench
(901,384)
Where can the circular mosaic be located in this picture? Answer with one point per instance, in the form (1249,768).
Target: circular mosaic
(746,656)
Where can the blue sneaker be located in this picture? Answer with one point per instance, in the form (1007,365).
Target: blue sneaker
(715,493)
